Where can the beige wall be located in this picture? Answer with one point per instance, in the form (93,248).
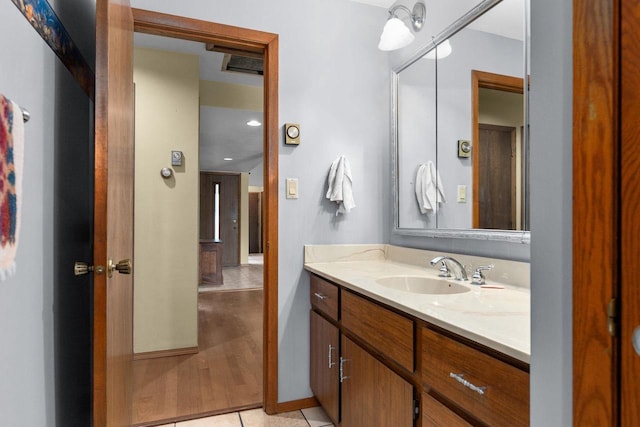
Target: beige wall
(166,210)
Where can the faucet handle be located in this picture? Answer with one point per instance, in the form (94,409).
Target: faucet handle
(478,278)
(444,270)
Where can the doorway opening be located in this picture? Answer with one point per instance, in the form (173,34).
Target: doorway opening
(500,152)
(237,328)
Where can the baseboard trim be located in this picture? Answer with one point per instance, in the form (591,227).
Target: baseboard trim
(295,405)
(165,353)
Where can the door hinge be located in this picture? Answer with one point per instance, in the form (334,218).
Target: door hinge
(416,409)
(612,314)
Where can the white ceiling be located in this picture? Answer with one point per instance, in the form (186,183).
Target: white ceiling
(380,3)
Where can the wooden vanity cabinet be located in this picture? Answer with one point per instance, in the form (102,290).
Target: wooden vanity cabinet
(387,361)
(325,362)
(372,394)
(435,414)
(490,390)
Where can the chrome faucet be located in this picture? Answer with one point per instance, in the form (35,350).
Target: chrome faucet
(450,264)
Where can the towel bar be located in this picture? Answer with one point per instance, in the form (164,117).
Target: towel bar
(25,115)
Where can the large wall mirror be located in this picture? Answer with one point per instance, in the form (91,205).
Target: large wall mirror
(460,129)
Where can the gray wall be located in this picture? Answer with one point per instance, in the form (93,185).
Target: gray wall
(551,214)
(334,82)
(26,315)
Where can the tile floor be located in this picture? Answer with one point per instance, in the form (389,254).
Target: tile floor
(311,417)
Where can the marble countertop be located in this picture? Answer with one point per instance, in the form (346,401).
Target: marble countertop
(496,318)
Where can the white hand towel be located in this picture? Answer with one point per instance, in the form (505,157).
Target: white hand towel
(341,185)
(428,188)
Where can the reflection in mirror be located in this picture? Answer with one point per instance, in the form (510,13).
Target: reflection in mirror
(479,93)
(498,124)
(417,137)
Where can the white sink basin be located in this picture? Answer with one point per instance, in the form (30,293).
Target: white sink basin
(422,285)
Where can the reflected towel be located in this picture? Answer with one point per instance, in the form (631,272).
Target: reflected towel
(428,187)
(341,185)
(11,152)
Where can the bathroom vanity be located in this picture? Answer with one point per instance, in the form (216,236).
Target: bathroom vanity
(451,356)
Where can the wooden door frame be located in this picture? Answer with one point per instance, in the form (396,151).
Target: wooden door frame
(161,24)
(596,209)
(629,199)
(485,80)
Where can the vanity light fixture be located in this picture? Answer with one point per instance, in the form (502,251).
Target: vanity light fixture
(396,34)
(227,159)
(443,50)
(253,123)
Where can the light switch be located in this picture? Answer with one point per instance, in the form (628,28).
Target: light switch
(462,194)
(292,188)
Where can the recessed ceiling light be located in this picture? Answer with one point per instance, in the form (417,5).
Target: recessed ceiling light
(228,158)
(254,123)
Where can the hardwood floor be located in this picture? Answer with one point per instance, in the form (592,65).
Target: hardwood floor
(226,373)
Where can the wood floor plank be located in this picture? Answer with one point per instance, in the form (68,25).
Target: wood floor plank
(226,372)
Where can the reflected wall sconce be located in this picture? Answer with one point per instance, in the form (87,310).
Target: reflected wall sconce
(441,51)
(396,34)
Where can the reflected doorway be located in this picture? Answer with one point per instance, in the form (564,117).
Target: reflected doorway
(500,152)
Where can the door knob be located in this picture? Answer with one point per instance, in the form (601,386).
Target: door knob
(122,267)
(636,340)
(82,268)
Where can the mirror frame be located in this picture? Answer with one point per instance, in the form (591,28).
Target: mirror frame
(515,236)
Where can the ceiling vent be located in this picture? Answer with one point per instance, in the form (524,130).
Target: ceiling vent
(239,61)
(243,64)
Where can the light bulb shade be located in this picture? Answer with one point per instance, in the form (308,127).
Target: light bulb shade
(395,35)
(443,50)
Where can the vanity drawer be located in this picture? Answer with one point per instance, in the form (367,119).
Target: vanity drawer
(492,391)
(435,414)
(388,332)
(324,296)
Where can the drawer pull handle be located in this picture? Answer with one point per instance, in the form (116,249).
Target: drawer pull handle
(342,377)
(331,364)
(460,378)
(318,295)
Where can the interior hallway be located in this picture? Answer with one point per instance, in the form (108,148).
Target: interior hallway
(226,373)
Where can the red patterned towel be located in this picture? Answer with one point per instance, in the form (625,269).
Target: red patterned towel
(11,159)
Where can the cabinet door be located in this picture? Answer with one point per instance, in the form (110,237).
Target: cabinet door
(372,394)
(324,365)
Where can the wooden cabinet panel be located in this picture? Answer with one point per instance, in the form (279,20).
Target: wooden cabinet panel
(389,333)
(492,391)
(324,296)
(324,365)
(210,263)
(435,414)
(372,394)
